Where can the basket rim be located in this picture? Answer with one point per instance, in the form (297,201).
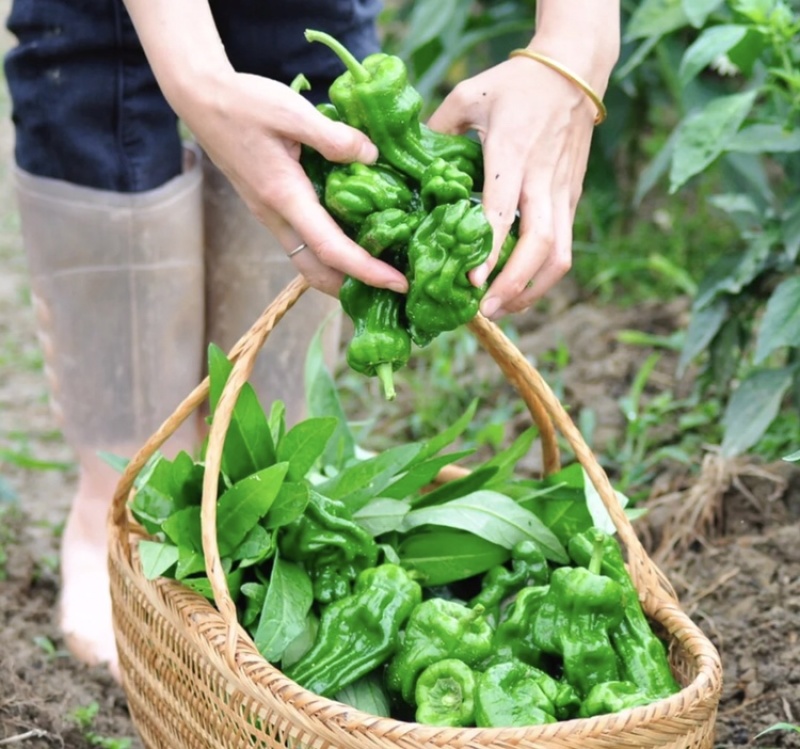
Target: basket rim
(261,679)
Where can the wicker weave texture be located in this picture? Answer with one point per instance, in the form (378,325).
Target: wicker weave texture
(194,679)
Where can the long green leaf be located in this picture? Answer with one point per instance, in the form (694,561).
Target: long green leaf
(753,407)
(492,516)
(304,443)
(382,515)
(157,558)
(706,134)
(712,43)
(780,325)
(655,18)
(703,326)
(420,475)
(286,606)
(766,138)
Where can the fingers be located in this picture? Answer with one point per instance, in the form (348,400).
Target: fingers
(454,115)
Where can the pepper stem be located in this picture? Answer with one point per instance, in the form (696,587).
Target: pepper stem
(596,562)
(384,371)
(355,68)
(300,83)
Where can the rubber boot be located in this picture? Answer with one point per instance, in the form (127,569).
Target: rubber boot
(246,267)
(117,283)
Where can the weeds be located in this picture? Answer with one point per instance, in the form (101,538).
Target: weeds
(84,717)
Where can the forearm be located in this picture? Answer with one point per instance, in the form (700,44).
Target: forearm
(182,46)
(587,32)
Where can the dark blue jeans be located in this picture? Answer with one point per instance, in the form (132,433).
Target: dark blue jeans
(87,109)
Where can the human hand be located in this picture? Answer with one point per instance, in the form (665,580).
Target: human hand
(536,129)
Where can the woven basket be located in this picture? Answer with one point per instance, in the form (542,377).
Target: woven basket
(194,679)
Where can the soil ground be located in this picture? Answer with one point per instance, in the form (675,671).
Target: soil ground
(728,536)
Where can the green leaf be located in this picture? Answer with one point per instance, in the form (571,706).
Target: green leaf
(248,442)
(753,407)
(189,563)
(698,11)
(241,507)
(597,509)
(289,505)
(257,546)
(301,644)
(506,460)
(322,398)
(202,585)
(366,479)
(655,170)
(492,516)
(704,324)
(255,594)
(367,694)
(655,18)
(712,43)
(450,490)
(446,437)
(790,229)
(286,606)
(304,443)
(780,727)
(157,558)
(780,325)
(766,138)
(382,515)
(277,421)
(421,475)
(703,136)
(428,19)
(184,529)
(446,556)
(793,458)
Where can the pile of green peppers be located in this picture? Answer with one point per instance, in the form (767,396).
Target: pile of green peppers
(536,643)
(417,208)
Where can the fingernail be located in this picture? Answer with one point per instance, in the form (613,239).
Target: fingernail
(397,287)
(480,274)
(499,313)
(369,153)
(490,306)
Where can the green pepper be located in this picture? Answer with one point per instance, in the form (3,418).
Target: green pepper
(462,152)
(643,654)
(611,697)
(451,240)
(510,695)
(513,638)
(445,694)
(443,182)
(438,629)
(390,229)
(528,568)
(575,619)
(380,344)
(331,545)
(354,191)
(314,164)
(360,632)
(376,97)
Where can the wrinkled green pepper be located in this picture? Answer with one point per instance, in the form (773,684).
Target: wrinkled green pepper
(445,694)
(528,568)
(438,629)
(611,697)
(513,638)
(574,621)
(376,97)
(390,229)
(508,695)
(443,182)
(354,191)
(381,343)
(451,240)
(360,632)
(314,164)
(643,654)
(330,544)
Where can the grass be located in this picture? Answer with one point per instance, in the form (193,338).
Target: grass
(85,717)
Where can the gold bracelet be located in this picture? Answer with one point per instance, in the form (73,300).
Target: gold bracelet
(570,76)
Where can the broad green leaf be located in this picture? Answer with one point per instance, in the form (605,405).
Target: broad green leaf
(780,325)
(656,18)
(382,515)
(698,11)
(151,507)
(255,594)
(793,458)
(450,490)
(421,475)
(189,563)
(506,460)
(445,556)
(257,546)
(248,443)
(304,443)
(277,421)
(322,399)
(359,483)
(712,43)
(184,529)
(446,437)
(737,204)
(202,585)
(492,516)
(241,507)
(766,138)
(157,558)
(286,606)
(301,644)
(724,352)
(703,136)
(597,509)
(753,407)
(704,324)
(288,505)
(367,694)
(428,19)
(790,229)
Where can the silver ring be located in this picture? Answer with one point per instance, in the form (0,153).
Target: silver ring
(297,249)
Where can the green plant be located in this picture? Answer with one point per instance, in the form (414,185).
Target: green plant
(85,717)
(737,88)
